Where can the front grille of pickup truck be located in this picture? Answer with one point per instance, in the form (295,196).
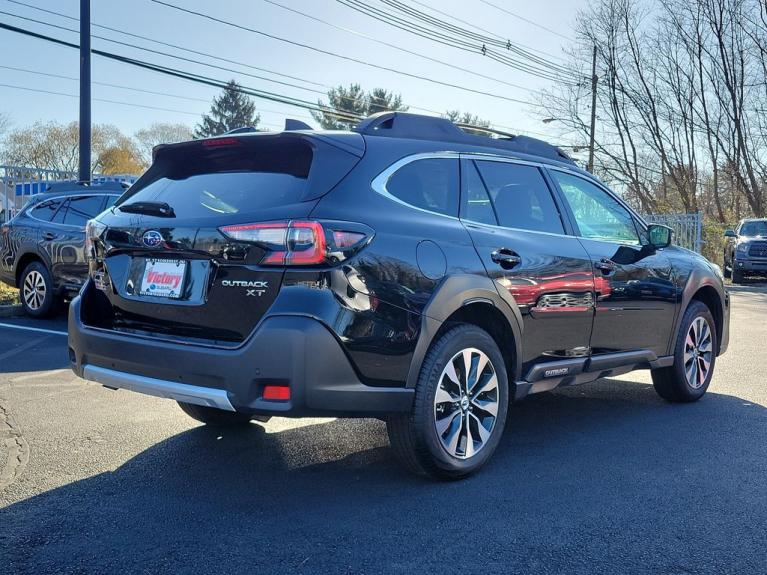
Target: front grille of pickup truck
(758,250)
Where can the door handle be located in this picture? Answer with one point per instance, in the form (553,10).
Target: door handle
(49,236)
(506,258)
(606,266)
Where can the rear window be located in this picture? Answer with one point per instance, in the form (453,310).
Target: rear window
(429,184)
(249,175)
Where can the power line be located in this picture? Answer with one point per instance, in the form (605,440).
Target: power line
(177,57)
(290,101)
(485,30)
(140,90)
(492,39)
(394,46)
(531,22)
(336,55)
(473,47)
(158,52)
(320,92)
(52,92)
(190,76)
(167,44)
(146,38)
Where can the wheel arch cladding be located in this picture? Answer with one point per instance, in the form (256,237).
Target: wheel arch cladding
(708,295)
(473,300)
(26,259)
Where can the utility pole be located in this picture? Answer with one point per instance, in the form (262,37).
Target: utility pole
(85,91)
(594,79)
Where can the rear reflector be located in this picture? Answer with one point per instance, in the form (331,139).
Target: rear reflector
(277,392)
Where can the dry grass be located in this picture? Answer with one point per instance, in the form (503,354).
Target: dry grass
(8,294)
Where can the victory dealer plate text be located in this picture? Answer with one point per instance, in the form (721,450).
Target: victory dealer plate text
(163,278)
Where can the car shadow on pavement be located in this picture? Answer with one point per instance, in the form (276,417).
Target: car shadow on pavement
(601,478)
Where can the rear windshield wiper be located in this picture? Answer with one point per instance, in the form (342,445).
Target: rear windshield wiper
(160,209)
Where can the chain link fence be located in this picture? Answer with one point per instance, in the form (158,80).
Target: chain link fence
(19,183)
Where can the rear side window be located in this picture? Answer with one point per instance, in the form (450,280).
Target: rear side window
(81,209)
(242,176)
(521,198)
(430,184)
(46,210)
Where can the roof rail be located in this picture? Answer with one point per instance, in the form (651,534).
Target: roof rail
(420,127)
(242,130)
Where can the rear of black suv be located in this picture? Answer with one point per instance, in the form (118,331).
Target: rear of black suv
(213,285)
(404,270)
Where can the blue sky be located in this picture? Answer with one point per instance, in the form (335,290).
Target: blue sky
(185,102)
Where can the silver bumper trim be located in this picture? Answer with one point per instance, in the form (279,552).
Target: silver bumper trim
(205,396)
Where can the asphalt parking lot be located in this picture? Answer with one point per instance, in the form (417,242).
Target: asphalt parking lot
(604,478)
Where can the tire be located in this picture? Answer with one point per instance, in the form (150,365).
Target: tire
(680,383)
(737,276)
(727,270)
(215,417)
(36,291)
(415,438)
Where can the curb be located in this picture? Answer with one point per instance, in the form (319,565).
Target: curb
(11,311)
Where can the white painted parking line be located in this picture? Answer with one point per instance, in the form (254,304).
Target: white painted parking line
(23,347)
(35,329)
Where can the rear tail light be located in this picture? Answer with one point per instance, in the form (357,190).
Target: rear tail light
(93,229)
(298,242)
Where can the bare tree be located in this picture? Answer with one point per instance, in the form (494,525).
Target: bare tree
(160,133)
(681,102)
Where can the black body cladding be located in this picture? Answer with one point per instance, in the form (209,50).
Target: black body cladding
(420,225)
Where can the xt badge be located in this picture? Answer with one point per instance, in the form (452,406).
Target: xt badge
(253,288)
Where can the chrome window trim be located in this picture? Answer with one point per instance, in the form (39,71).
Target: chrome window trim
(381,180)
(379,185)
(484,225)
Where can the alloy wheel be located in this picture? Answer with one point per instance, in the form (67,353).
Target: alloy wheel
(698,349)
(466,403)
(34,290)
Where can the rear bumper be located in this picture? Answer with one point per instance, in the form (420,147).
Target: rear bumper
(292,350)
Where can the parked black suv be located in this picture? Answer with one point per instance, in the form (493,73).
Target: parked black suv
(746,251)
(404,270)
(41,248)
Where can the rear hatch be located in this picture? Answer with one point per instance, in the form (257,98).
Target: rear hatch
(197,248)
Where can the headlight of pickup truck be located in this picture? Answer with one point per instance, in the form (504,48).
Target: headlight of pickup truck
(742,248)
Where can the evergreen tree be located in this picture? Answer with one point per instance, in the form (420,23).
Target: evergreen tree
(232,109)
(346,105)
(468,119)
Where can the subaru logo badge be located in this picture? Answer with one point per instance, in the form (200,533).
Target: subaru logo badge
(152,238)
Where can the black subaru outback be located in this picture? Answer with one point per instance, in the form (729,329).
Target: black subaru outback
(405,270)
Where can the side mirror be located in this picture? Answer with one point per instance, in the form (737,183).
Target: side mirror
(730,234)
(659,236)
